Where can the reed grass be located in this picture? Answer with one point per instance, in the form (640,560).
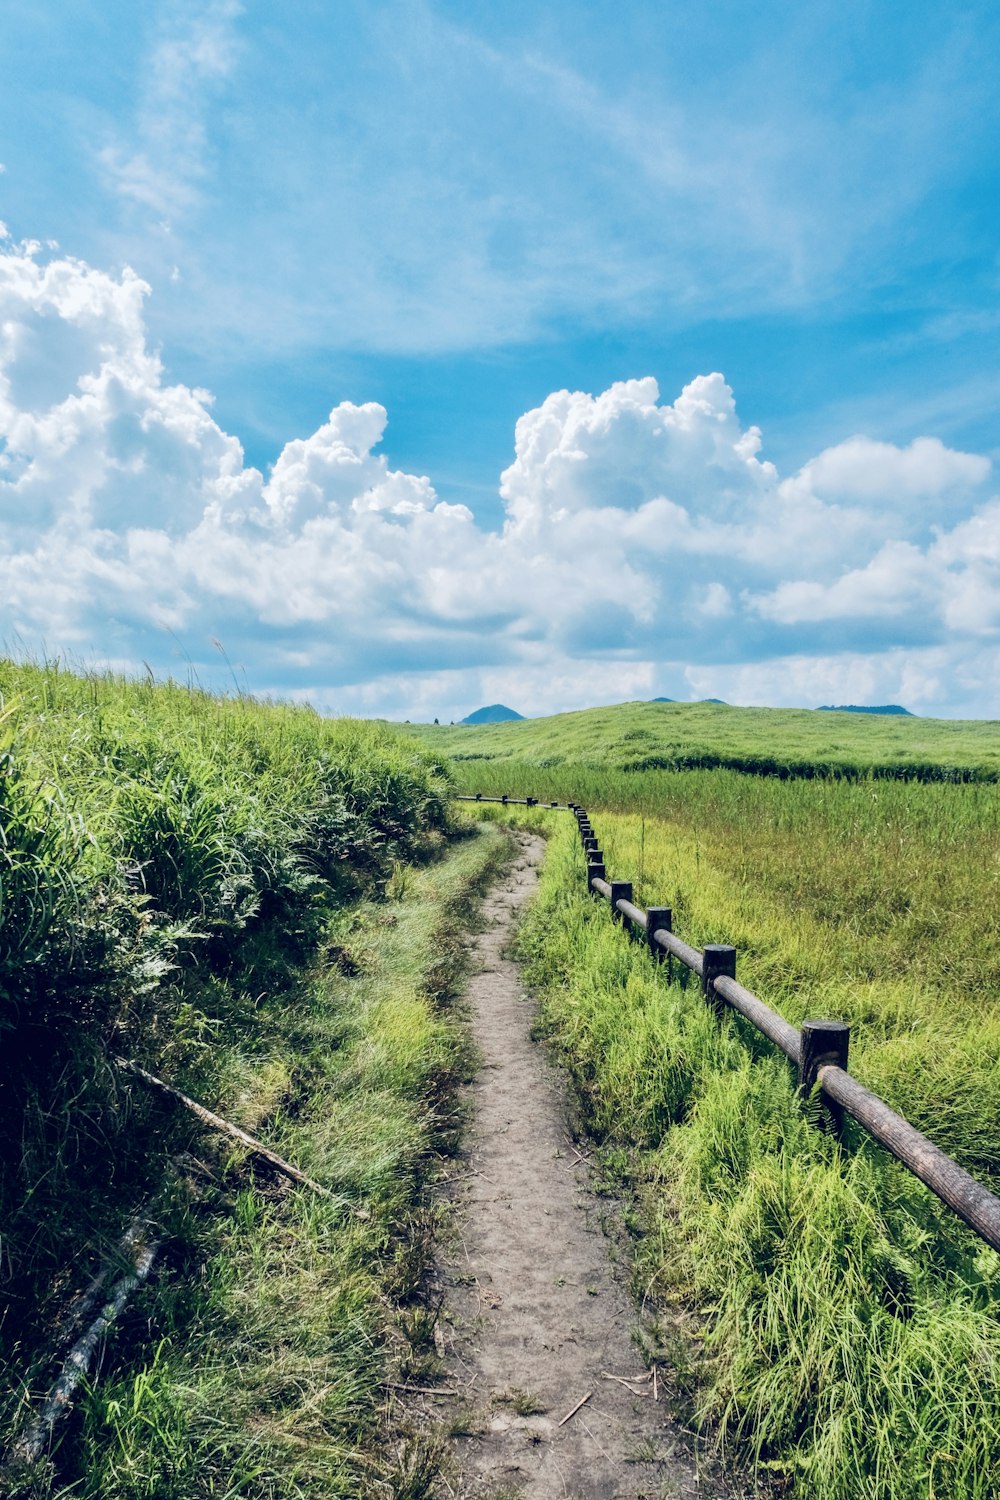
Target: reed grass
(168,861)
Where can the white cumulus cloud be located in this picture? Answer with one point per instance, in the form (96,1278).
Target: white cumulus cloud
(647,547)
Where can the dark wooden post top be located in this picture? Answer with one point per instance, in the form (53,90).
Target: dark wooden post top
(823,1042)
(621,890)
(718,962)
(658,917)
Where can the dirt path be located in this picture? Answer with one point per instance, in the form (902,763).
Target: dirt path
(533,1316)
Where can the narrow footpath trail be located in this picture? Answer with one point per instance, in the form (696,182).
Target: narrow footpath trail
(533,1316)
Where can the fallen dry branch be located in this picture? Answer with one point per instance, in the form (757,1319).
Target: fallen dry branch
(83,1306)
(574,1409)
(628,1384)
(421,1390)
(216,1122)
(29,1447)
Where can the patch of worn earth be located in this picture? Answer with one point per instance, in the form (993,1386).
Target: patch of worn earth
(534,1320)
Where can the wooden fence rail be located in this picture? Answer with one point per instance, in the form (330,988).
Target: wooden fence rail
(818,1051)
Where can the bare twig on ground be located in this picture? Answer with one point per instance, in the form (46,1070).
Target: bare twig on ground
(216,1122)
(573,1410)
(421,1390)
(89,1298)
(601,1451)
(624,1381)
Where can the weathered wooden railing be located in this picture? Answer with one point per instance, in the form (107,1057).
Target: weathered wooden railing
(516,801)
(818,1051)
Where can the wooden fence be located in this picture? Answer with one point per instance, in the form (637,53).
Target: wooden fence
(818,1051)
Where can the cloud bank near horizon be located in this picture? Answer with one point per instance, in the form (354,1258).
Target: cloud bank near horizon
(647,547)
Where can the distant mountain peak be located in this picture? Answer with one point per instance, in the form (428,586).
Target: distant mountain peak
(859,708)
(495,713)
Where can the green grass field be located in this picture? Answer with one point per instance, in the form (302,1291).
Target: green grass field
(269,910)
(837,1322)
(766,741)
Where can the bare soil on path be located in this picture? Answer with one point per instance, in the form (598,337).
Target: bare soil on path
(534,1318)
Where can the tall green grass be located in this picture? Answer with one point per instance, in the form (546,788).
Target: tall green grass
(167,859)
(848,1323)
(877,903)
(260,1360)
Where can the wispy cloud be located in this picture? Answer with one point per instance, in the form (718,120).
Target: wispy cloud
(162,160)
(420,179)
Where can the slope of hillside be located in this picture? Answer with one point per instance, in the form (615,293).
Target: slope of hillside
(216,889)
(766,741)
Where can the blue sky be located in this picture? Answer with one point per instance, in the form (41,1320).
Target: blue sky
(444,215)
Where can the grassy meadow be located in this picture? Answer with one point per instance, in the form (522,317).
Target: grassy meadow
(267,910)
(638,737)
(829,1315)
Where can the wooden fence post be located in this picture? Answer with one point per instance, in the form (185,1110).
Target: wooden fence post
(595,871)
(718,961)
(658,917)
(621,890)
(823,1042)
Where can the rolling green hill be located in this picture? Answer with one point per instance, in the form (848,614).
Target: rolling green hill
(764,741)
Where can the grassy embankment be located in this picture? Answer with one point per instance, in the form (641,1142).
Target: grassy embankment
(848,1323)
(170,867)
